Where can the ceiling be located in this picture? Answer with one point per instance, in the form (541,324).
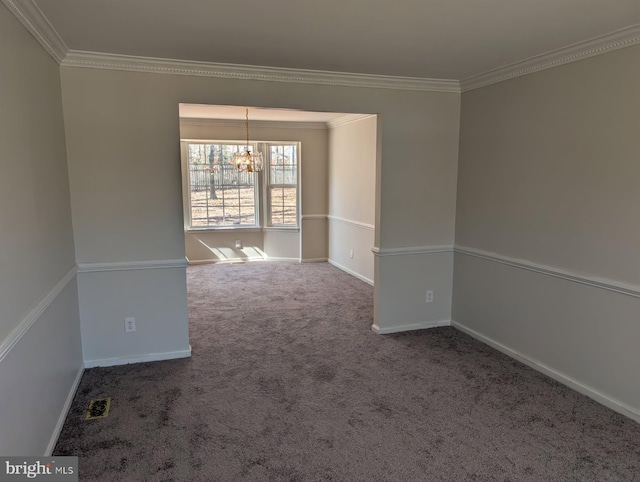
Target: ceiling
(231,112)
(437,39)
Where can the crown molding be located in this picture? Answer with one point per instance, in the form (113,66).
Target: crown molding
(32,18)
(622,38)
(37,25)
(348,119)
(201,122)
(94,60)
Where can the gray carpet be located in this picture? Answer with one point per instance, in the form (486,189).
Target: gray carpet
(288,383)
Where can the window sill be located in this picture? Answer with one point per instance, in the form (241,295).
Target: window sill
(282,229)
(222,229)
(246,229)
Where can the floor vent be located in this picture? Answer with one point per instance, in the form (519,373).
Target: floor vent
(98,408)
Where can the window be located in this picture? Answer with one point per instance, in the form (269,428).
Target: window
(283,185)
(220,196)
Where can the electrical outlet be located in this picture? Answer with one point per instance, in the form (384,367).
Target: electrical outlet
(129,325)
(351,253)
(238,244)
(429,298)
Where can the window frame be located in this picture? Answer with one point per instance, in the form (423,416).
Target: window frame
(268,220)
(262,201)
(188,211)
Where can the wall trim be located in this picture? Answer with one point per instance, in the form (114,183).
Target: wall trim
(131,265)
(63,414)
(576,385)
(32,18)
(110,362)
(198,122)
(351,272)
(314,260)
(193,262)
(16,334)
(593,281)
(96,60)
(411,327)
(410,250)
(274,229)
(357,224)
(315,217)
(248,260)
(618,39)
(348,119)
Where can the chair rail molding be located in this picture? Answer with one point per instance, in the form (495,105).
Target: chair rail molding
(585,279)
(357,224)
(412,250)
(315,217)
(34,314)
(132,265)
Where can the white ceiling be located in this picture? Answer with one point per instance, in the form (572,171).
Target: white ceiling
(439,39)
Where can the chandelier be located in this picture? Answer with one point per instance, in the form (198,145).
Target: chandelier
(245,161)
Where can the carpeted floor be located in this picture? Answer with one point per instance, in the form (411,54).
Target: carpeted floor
(288,383)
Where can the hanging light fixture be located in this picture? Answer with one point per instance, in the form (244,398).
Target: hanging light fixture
(245,161)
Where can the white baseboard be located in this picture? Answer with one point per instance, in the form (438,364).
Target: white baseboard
(350,271)
(414,326)
(193,262)
(110,362)
(63,413)
(580,387)
(202,261)
(314,260)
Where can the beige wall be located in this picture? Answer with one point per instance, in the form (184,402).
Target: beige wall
(36,241)
(123,144)
(220,246)
(549,175)
(549,167)
(352,170)
(40,351)
(352,191)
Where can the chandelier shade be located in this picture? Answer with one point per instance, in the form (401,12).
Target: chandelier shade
(246,161)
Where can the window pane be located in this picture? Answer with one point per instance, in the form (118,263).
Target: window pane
(218,191)
(248,214)
(289,194)
(247,195)
(283,182)
(290,175)
(283,206)
(232,215)
(277,196)
(289,216)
